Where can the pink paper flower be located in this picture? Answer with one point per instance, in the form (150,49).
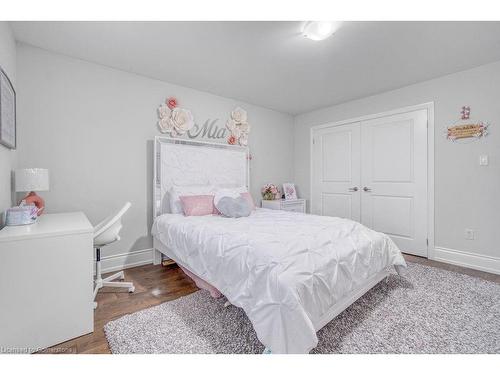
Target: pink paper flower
(232,140)
(171,103)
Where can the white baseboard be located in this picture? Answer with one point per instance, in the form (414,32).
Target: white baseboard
(118,262)
(466,259)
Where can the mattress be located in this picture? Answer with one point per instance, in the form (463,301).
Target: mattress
(285,269)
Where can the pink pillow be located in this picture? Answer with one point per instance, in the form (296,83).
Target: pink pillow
(198,205)
(249,200)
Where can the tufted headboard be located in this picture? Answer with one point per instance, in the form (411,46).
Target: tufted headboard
(180,162)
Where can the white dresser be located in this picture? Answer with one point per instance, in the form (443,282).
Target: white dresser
(296,205)
(46,276)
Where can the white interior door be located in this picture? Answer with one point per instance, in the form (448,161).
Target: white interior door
(375,172)
(394,178)
(336,173)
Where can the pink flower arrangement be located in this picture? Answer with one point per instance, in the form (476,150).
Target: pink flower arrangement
(171,103)
(270,192)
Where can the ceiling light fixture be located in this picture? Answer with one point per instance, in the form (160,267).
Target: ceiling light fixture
(319,30)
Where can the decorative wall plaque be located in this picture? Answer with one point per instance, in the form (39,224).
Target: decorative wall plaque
(466,131)
(179,122)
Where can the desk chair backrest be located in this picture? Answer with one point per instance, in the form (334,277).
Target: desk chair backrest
(108,230)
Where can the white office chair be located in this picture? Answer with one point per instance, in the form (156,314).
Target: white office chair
(105,233)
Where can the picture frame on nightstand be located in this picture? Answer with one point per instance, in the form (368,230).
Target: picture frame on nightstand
(289,191)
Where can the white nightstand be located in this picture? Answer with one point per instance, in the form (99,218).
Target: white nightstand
(46,282)
(297,205)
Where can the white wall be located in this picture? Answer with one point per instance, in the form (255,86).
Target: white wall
(466,195)
(93,126)
(7,156)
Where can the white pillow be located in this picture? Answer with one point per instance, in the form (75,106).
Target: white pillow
(228,192)
(177,191)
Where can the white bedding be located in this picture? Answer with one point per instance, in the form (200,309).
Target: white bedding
(284,269)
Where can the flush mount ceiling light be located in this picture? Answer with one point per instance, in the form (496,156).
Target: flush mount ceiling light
(319,30)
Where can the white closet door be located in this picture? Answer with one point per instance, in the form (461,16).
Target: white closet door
(336,173)
(394,178)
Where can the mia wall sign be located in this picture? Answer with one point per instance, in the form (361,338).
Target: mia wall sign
(466,128)
(178,122)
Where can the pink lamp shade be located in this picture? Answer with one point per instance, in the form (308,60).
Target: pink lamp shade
(31,180)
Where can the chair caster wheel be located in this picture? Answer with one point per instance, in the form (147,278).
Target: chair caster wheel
(131,289)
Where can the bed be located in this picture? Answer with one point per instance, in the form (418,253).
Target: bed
(290,272)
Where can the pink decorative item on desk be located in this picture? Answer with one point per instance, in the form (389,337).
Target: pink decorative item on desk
(34,198)
(31,180)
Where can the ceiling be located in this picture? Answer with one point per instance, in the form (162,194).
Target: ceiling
(269,63)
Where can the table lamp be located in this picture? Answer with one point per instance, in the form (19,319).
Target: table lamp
(31,180)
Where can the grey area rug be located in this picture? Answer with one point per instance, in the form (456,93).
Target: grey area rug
(429,310)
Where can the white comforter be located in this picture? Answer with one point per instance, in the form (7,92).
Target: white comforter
(285,269)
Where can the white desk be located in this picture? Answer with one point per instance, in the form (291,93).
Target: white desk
(46,282)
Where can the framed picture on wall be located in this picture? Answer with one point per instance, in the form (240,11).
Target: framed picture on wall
(7,112)
(289,190)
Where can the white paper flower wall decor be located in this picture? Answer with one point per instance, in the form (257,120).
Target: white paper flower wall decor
(238,127)
(174,120)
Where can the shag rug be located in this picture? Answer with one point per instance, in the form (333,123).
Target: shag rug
(429,310)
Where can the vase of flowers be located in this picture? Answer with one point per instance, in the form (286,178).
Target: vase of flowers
(270,192)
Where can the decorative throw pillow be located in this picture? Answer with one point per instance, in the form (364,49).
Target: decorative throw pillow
(228,192)
(221,193)
(249,200)
(176,191)
(197,205)
(233,207)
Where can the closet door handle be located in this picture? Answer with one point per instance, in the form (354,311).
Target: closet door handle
(355,188)
(366,189)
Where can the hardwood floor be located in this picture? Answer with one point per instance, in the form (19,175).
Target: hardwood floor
(157,284)
(153,285)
